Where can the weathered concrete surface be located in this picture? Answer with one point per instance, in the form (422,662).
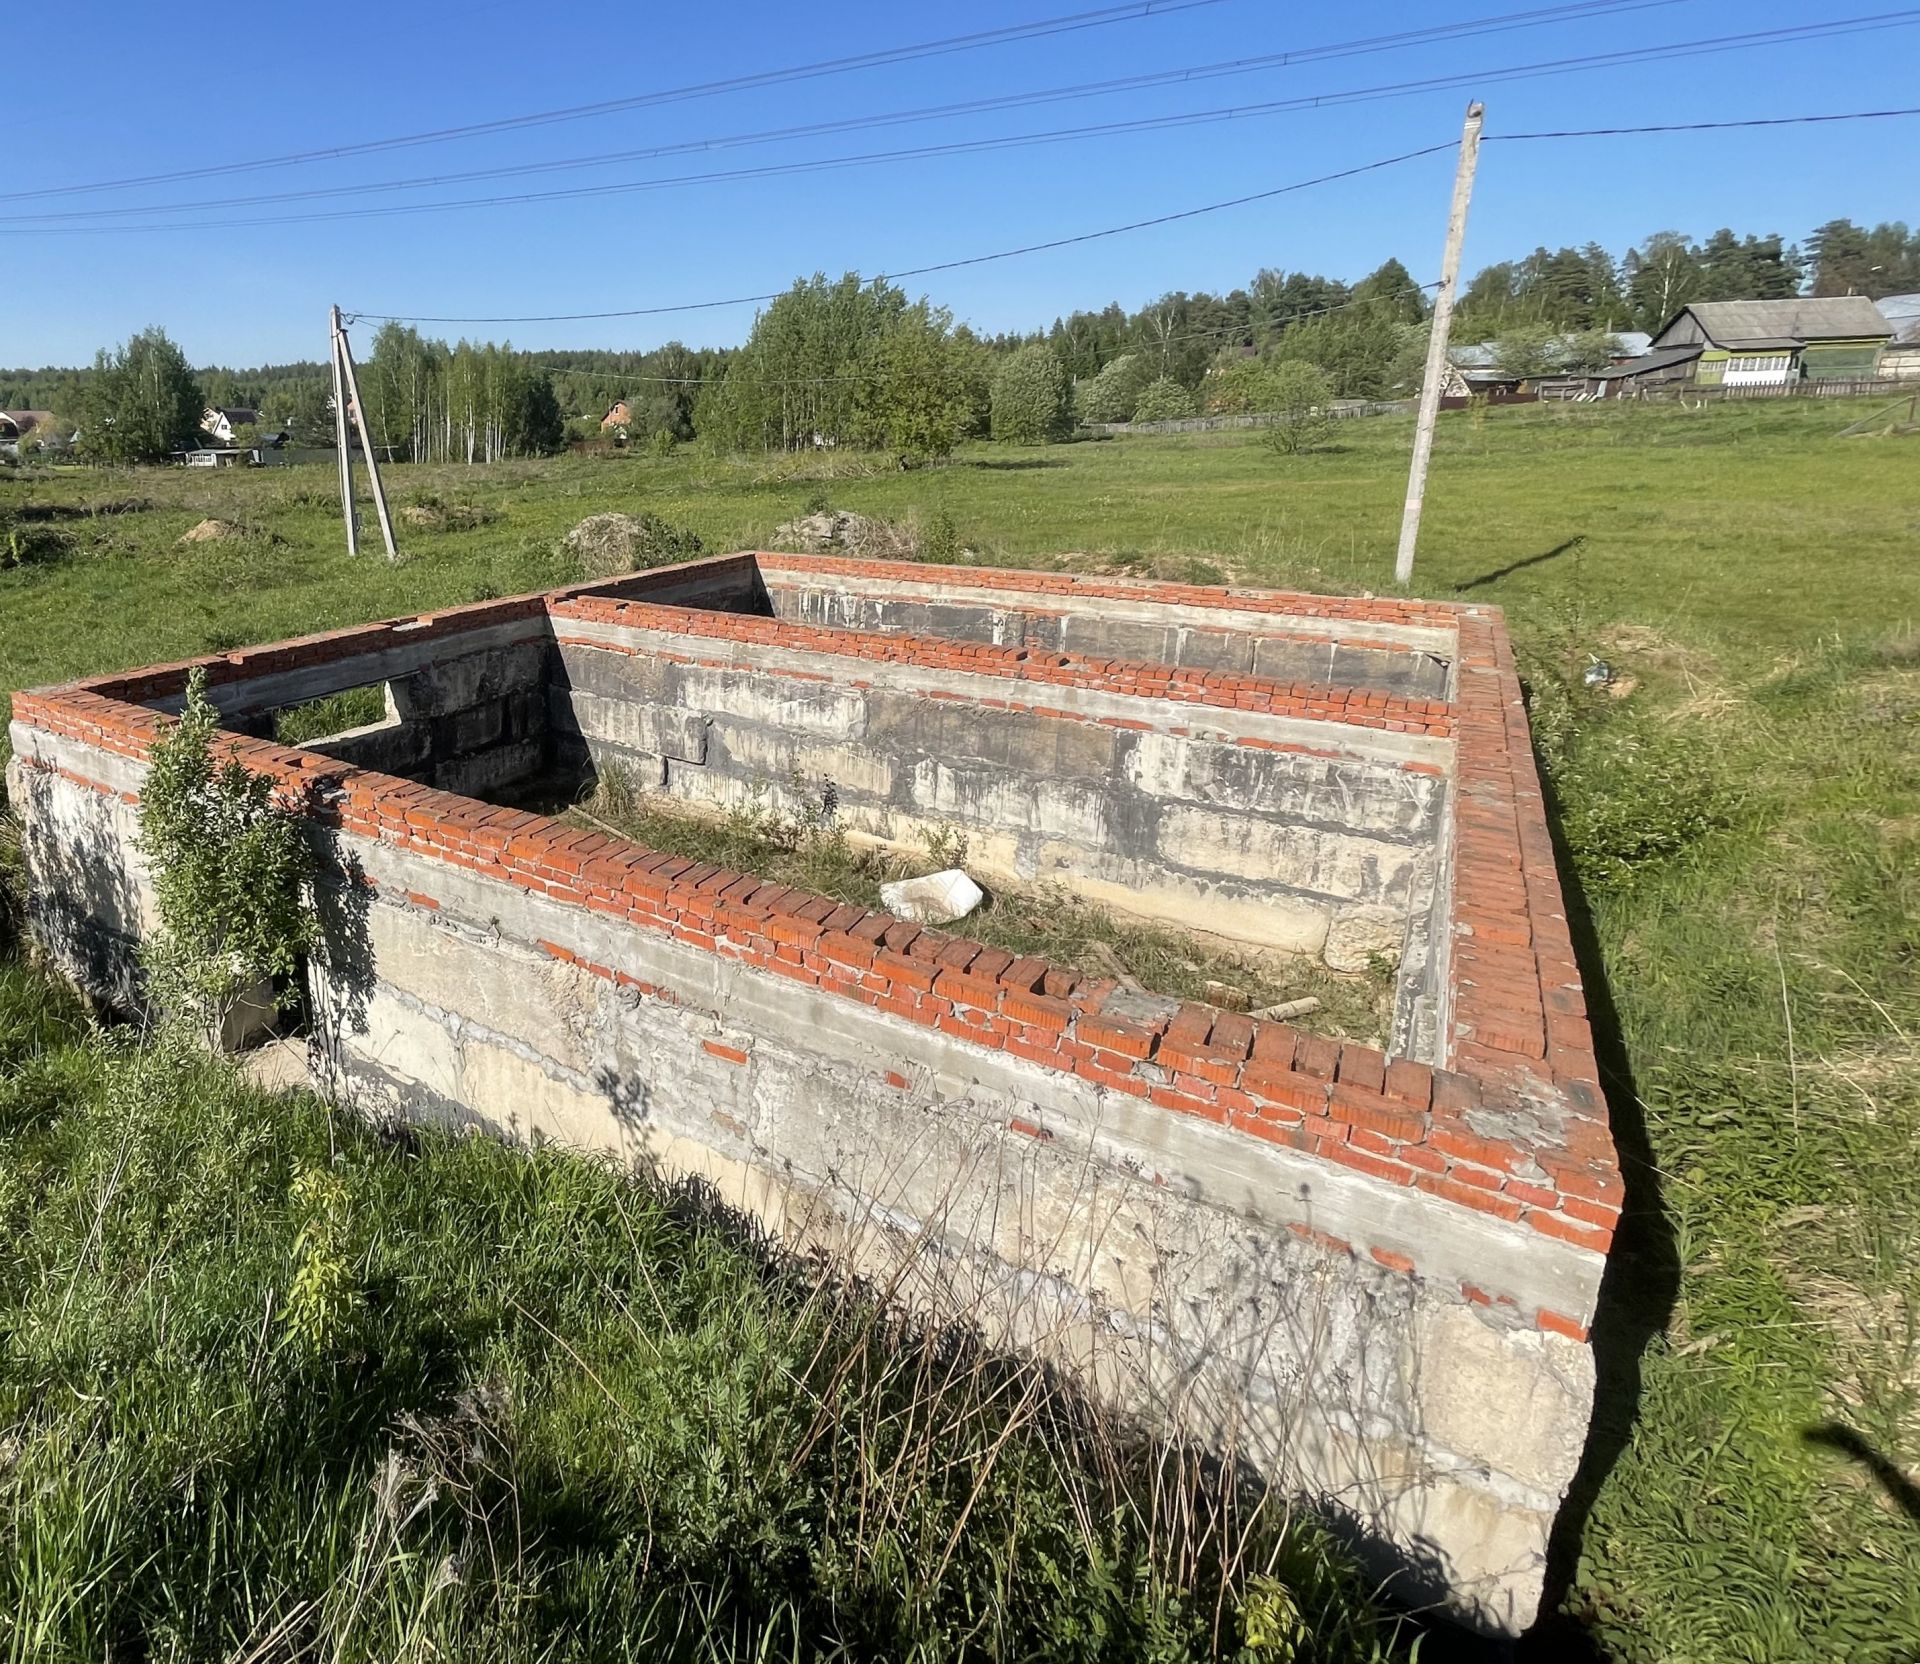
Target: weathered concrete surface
(1416,666)
(1151,1250)
(1268,848)
(1189,1272)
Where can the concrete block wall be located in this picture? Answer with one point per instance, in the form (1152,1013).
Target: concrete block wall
(1110,618)
(1254,817)
(1371,1274)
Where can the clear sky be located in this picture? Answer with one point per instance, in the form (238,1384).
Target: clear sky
(106,91)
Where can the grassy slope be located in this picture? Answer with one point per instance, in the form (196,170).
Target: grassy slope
(1744,824)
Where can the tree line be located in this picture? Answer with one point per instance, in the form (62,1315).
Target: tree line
(845,362)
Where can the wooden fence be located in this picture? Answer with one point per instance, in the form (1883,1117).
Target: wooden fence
(1339,408)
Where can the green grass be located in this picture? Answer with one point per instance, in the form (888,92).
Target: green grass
(277,1387)
(1741,817)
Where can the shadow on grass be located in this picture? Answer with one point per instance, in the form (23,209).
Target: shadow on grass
(1572,546)
(1013,464)
(1637,1291)
(1838,1436)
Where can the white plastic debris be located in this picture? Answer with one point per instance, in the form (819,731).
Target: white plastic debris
(938,898)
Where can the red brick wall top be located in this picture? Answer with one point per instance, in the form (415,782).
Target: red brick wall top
(1438,615)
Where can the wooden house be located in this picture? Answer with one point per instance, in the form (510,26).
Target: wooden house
(1774,343)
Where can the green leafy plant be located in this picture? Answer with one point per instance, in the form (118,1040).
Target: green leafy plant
(1163,400)
(1298,394)
(324,1295)
(229,868)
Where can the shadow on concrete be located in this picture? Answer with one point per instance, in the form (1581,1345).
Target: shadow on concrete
(1573,545)
(1838,1436)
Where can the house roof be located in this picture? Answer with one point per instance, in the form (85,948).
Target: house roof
(1485,355)
(1650,361)
(25,421)
(1903,313)
(236,414)
(1786,323)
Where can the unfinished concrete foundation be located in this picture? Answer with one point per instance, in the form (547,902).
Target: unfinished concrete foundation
(1369,1271)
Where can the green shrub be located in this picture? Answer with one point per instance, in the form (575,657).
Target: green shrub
(1112,395)
(1164,400)
(229,869)
(1297,394)
(1031,398)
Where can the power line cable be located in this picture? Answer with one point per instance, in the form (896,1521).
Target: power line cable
(1774,37)
(942,265)
(1070,23)
(1138,225)
(1703,126)
(1579,10)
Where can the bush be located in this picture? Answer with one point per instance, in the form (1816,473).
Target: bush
(606,545)
(1298,394)
(1031,398)
(229,869)
(1164,400)
(1111,395)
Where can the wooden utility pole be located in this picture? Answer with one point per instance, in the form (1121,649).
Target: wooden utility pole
(366,442)
(1436,375)
(340,433)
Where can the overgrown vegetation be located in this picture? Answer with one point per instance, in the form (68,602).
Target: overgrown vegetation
(796,838)
(229,866)
(277,1386)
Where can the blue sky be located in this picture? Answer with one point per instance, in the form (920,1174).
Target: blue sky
(125,89)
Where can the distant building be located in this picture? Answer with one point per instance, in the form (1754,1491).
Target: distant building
(17,424)
(1900,359)
(1774,343)
(219,421)
(618,419)
(1475,371)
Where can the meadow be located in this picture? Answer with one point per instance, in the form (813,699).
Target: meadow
(1738,808)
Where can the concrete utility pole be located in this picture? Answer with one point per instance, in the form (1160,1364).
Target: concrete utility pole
(340,432)
(366,439)
(1437,345)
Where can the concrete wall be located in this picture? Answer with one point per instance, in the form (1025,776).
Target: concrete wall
(1194,1276)
(1162,815)
(1411,662)
(1369,1274)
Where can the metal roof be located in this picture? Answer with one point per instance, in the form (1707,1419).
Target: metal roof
(1650,361)
(1753,323)
(1903,312)
(1485,355)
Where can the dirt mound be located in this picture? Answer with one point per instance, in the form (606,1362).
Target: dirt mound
(446,517)
(841,532)
(212,531)
(606,545)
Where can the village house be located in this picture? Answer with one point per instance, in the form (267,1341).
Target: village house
(618,419)
(219,422)
(1900,361)
(16,425)
(1475,371)
(1774,343)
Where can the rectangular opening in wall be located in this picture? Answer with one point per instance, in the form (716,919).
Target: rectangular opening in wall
(335,716)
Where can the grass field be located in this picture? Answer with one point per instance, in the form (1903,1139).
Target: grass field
(1740,821)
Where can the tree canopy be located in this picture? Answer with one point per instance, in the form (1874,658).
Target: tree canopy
(142,402)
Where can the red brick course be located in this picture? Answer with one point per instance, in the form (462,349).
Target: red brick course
(1519,1040)
(1227,690)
